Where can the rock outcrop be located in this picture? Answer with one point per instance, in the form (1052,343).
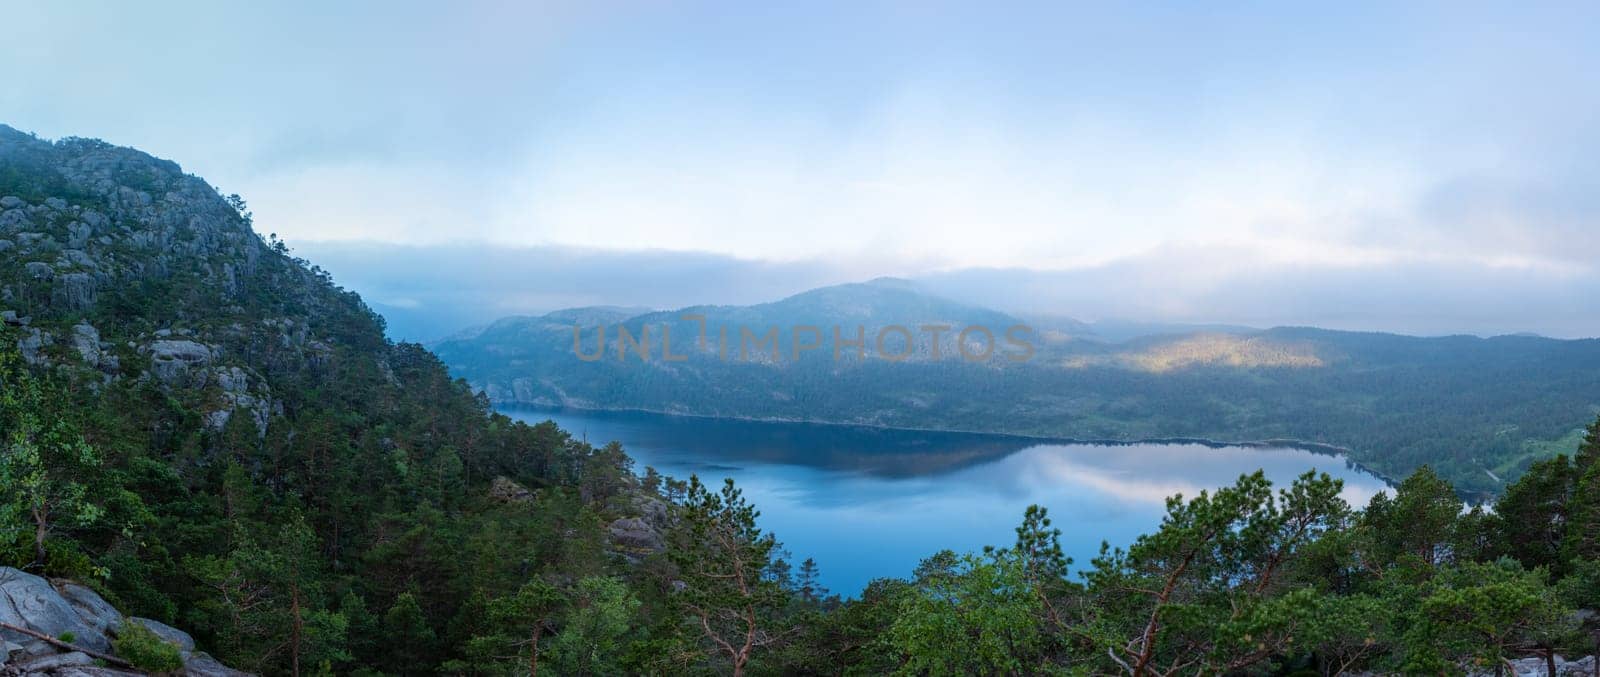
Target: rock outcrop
(80,618)
(98,231)
(638,537)
(506,490)
(1537,667)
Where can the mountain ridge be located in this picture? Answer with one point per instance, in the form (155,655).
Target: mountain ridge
(1319,386)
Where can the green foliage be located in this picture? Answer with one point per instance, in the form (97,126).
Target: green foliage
(356,532)
(1478,613)
(1414,527)
(46,466)
(145,650)
(595,630)
(724,562)
(1532,516)
(968,614)
(1478,411)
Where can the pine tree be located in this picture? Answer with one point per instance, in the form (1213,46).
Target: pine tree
(1531,516)
(46,467)
(1582,540)
(408,637)
(723,560)
(808,582)
(1417,525)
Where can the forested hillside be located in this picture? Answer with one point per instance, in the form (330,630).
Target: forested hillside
(1477,410)
(209,433)
(214,435)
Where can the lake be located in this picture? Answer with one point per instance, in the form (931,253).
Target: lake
(870,502)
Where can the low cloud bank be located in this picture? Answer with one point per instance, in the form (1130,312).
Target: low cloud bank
(428,292)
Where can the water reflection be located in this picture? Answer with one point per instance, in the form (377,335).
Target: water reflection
(868,503)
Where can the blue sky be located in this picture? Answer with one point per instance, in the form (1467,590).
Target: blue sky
(1190,139)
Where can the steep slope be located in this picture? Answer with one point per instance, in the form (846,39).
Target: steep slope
(259,465)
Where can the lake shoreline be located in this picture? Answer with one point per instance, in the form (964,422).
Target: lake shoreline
(1343,453)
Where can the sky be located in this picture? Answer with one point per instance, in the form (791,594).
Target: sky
(1415,167)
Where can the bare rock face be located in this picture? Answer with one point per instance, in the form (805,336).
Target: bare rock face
(634,536)
(1537,667)
(31,345)
(28,601)
(172,361)
(507,490)
(53,664)
(40,270)
(201,664)
(90,671)
(90,607)
(73,613)
(74,291)
(241,394)
(86,339)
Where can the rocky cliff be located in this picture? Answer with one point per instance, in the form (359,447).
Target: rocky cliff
(62,628)
(231,446)
(118,262)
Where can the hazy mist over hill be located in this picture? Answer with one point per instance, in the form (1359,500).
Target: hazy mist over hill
(428,292)
(1421,169)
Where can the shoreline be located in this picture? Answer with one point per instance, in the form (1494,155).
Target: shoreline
(1314,447)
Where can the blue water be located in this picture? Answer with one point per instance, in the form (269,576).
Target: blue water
(870,503)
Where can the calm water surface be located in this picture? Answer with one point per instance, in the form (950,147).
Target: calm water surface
(870,503)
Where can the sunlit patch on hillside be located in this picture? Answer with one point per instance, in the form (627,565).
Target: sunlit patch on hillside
(1206,350)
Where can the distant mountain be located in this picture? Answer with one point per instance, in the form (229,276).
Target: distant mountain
(1477,409)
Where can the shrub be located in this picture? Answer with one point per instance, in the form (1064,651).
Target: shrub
(145,650)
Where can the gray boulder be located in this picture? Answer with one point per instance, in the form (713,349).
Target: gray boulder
(28,601)
(171,359)
(507,490)
(79,234)
(93,609)
(166,632)
(31,343)
(40,270)
(1536,667)
(74,291)
(200,664)
(636,536)
(92,671)
(13,218)
(76,257)
(30,239)
(6,245)
(48,665)
(87,340)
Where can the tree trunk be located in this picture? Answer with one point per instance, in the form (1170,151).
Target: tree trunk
(1550,662)
(41,531)
(533,654)
(69,646)
(295,632)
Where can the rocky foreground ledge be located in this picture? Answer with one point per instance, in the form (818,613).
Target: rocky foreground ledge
(63,629)
(1536,667)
